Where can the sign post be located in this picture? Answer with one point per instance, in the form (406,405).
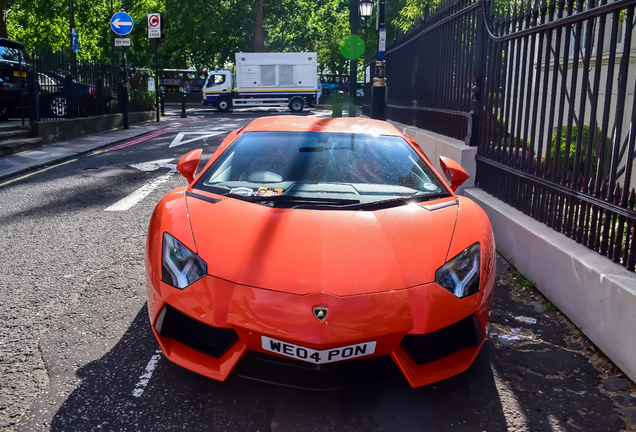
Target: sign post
(154,32)
(121,23)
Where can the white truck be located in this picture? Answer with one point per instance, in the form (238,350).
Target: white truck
(265,79)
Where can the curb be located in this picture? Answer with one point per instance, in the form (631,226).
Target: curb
(54,160)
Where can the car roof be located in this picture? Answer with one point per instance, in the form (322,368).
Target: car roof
(11,43)
(312,124)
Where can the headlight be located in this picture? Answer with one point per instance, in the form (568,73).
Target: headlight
(179,265)
(461,274)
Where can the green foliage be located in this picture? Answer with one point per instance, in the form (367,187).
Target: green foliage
(200,33)
(309,25)
(411,13)
(584,143)
(522,280)
(45,24)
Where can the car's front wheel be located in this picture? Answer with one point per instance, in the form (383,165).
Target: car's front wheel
(58,106)
(5,112)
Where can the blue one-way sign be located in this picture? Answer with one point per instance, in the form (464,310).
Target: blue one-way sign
(121,23)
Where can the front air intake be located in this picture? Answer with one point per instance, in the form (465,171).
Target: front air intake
(194,334)
(429,347)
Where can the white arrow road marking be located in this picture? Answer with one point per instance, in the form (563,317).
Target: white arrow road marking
(154,165)
(178,140)
(117,23)
(145,377)
(141,193)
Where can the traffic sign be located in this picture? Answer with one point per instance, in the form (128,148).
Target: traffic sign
(121,23)
(154,25)
(75,40)
(122,42)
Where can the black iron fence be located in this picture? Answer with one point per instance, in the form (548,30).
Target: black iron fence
(553,108)
(59,88)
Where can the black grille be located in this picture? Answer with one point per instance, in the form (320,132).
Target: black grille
(194,334)
(326,377)
(433,346)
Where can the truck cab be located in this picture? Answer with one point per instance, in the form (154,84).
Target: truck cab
(217,90)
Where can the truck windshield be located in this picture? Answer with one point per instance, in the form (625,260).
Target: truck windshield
(354,167)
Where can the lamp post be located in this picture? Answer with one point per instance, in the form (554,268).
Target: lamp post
(366,9)
(353,66)
(378,106)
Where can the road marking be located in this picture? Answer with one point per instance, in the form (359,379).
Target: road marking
(37,172)
(145,377)
(178,140)
(141,193)
(154,165)
(137,141)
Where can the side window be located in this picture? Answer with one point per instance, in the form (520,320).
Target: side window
(215,80)
(268,76)
(286,75)
(9,54)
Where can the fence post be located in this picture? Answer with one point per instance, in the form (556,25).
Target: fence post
(478,76)
(124,92)
(33,92)
(70,98)
(99,95)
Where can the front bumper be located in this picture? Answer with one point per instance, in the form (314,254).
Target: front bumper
(428,333)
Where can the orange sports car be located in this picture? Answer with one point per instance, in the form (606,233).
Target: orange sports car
(320,254)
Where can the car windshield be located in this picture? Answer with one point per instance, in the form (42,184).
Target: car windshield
(343,168)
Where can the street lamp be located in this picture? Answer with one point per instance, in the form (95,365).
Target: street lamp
(378,106)
(366,8)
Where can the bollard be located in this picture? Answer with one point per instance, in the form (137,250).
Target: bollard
(183,111)
(124,92)
(337,105)
(163,105)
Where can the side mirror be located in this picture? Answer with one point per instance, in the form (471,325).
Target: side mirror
(453,171)
(189,163)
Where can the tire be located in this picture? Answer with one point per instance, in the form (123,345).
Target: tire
(5,113)
(57,106)
(296,104)
(223,105)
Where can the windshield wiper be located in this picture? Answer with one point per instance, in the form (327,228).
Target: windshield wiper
(384,204)
(295,199)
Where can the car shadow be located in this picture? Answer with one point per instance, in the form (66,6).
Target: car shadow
(538,386)
(176,398)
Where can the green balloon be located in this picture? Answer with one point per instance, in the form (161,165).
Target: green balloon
(352,47)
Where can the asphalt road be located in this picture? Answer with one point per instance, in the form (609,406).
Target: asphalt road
(77,352)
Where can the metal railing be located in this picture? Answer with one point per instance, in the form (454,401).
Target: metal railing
(557,137)
(86,88)
(546,90)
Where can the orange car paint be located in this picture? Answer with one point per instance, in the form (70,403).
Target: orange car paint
(268,267)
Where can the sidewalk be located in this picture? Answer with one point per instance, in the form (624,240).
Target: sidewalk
(26,161)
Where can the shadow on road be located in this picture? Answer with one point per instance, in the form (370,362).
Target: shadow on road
(176,398)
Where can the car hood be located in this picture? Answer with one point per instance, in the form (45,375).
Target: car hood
(307,251)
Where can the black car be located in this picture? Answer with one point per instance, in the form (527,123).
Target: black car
(53,96)
(14,64)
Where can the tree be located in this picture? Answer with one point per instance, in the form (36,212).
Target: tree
(205,35)
(259,38)
(45,24)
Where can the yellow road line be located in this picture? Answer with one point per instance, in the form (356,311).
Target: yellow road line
(37,172)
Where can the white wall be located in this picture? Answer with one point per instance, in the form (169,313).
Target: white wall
(597,295)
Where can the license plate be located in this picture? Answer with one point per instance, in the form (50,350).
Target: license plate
(317,356)
(17,73)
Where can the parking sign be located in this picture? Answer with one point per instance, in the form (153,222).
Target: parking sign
(154,25)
